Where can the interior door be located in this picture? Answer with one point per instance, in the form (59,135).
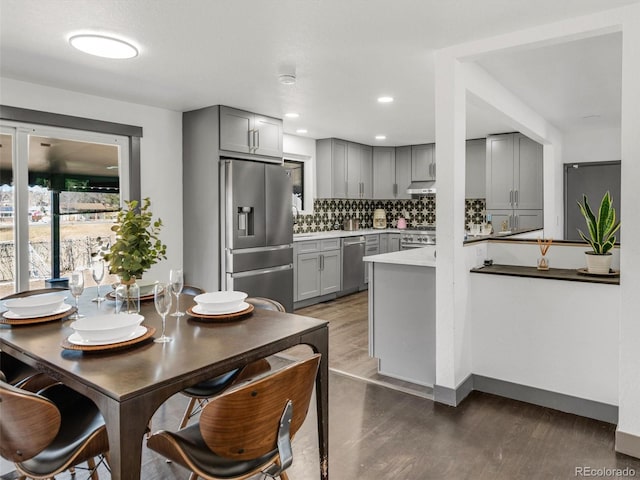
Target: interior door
(592,179)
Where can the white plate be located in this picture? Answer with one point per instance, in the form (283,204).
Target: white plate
(76,339)
(14,316)
(200,311)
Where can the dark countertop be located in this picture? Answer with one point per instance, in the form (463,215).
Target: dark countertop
(567,274)
(500,236)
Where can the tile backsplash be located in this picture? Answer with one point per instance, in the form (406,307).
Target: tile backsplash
(328,212)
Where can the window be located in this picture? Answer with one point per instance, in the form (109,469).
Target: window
(296,171)
(301,170)
(60,190)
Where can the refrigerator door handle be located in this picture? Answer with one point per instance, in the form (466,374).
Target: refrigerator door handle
(263,271)
(238,251)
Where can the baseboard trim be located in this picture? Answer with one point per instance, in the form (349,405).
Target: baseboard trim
(627,443)
(453,396)
(544,398)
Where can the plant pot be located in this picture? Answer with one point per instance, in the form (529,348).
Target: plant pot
(600,264)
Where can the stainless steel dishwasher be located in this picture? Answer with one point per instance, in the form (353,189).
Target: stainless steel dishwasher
(352,264)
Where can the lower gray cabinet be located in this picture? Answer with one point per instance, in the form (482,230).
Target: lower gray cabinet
(394,242)
(515,219)
(317,268)
(372,247)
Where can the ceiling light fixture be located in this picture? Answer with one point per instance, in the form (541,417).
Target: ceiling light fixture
(301,130)
(292,115)
(381,137)
(385,99)
(103,46)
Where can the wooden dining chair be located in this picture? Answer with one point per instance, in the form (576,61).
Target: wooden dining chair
(51,431)
(246,430)
(200,393)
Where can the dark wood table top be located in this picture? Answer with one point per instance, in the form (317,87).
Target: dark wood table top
(567,274)
(141,377)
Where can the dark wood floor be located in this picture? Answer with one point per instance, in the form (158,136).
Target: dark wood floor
(382,433)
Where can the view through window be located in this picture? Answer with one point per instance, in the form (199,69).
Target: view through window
(73,195)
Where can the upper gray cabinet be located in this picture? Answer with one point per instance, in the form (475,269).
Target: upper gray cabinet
(476,152)
(514,172)
(384,172)
(423,162)
(391,172)
(343,169)
(247,132)
(403,172)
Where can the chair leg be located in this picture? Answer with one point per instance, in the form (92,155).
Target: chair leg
(284,476)
(187,412)
(92,468)
(193,476)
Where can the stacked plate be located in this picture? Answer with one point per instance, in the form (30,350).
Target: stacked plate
(34,306)
(220,303)
(107,329)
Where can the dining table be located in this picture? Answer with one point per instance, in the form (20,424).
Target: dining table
(130,382)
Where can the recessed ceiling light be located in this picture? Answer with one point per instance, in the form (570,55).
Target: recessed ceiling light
(103,46)
(301,130)
(385,99)
(381,137)
(292,115)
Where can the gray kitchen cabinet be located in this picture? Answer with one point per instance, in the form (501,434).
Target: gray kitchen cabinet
(384,172)
(403,172)
(423,166)
(515,219)
(247,132)
(475,171)
(371,247)
(317,268)
(384,243)
(343,169)
(394,242)
(514,180)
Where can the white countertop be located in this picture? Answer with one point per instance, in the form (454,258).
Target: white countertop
(419,257)
(301,237)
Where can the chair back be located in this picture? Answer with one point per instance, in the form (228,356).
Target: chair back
(265,303)
(242,423)
(28,423)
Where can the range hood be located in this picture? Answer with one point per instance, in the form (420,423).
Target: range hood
(422,188)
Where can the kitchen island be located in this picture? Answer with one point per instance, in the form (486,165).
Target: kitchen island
(402,314)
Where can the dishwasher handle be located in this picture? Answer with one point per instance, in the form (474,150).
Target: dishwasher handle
(348,243)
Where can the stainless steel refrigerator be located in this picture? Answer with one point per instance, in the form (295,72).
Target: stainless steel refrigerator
(256,230)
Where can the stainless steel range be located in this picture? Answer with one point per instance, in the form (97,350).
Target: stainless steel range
(419,236)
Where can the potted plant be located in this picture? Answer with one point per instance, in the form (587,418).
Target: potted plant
(601,236)
(136,248)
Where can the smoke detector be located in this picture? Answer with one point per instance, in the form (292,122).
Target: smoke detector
(287,79)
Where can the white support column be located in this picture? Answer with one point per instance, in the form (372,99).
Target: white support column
(628,432)
(453,354)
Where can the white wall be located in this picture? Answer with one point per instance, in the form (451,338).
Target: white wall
(548,334)
(592,145)
(160,149)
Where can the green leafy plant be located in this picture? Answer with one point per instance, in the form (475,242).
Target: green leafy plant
(137,244)
(602,228)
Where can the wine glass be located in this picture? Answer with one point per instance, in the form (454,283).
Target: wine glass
(162,298)
(176,280)
(76,286)
(97,272)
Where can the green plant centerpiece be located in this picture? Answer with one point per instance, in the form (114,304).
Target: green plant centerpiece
(137,246)
(602,229)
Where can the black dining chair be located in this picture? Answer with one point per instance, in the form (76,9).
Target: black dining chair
(246,430)
(201,392)
(50,431)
